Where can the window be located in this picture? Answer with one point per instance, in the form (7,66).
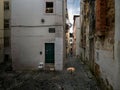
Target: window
(51,30)
(6,41)
(6,5)
(6,23)
(71,34)
(49,7)
(6,57)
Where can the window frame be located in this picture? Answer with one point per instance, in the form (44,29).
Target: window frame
(51,30)
(6,5)
(6,23)
(48,7)
(54,5)
(6,41)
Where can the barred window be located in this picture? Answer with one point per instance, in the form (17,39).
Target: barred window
(51,30)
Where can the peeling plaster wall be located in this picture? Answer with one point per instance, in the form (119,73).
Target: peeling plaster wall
(107,66)
(86,30)
(82,31)
(107,40)
(104,46)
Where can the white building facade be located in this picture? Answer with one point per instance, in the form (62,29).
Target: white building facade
(77,36)
(76,32)
(37,33)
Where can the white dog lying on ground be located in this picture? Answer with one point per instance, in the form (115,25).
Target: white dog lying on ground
(71,70)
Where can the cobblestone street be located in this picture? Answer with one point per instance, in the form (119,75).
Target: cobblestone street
(80,79)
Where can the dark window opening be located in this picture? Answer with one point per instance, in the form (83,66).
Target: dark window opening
(49,7)
(6,23)
(71,34)
(6,41)
(51,30)
(6,5)
(6,57)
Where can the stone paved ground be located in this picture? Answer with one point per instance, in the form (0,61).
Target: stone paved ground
(81,79)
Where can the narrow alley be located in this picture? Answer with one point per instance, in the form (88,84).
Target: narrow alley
(79,79)
(59,44)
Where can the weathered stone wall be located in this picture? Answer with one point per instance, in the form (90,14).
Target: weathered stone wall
(82,31)
(86,30)
(91,34)
(104,42)
(98,29)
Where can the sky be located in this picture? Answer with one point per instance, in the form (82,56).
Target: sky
(73,9)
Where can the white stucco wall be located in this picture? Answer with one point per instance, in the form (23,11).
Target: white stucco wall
(78,36)
(26,46)
(32,11)
(59,54)
(27,43)
(105,59)
(29,34)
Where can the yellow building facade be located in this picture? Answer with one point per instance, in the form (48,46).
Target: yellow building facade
(1,30)
(7,30)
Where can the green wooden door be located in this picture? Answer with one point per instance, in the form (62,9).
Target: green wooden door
(49,52)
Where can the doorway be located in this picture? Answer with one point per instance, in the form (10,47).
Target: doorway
(49,53)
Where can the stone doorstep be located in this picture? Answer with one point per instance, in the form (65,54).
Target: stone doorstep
(49,67)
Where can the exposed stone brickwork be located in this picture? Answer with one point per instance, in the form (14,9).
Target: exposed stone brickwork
(110,21)
(105,24)
(100,16)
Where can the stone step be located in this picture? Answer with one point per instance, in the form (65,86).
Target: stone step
(49,67)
